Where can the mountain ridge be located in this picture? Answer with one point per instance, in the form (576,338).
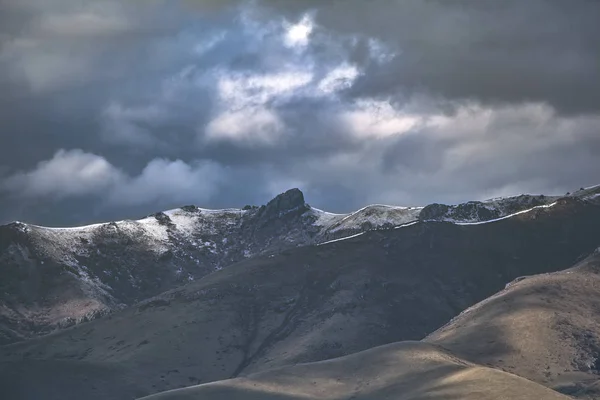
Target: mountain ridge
(56,277)
(308,304)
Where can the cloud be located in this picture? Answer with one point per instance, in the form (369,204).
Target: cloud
(243,90)
(248,126)
(488,52)
(131,125)
(485,52)
(88,23)
(77,174)
(67,173)
(246,114)
(339,78)
(163,182)
(402,102)
(373,118)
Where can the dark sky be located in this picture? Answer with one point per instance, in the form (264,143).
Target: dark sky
(115,109)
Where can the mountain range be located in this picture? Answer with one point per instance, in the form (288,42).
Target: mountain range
(285,301)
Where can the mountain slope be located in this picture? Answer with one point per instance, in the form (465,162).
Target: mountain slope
(543,327)
(318,302)
(402,371)
(55,277)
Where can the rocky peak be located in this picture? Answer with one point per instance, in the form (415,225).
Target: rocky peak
(285,202)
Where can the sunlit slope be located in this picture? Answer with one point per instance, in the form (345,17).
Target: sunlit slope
(543,327)
(401,371)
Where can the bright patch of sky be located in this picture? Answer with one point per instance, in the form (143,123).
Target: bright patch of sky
(298,35)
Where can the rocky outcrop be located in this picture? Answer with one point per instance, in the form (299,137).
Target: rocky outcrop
(290,201)
(480,211)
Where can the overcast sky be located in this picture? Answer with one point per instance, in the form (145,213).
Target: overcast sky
(115,109)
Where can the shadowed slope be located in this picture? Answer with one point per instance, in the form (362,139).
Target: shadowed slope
(62,379)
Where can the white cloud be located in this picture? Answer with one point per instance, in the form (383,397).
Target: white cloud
(68,173)
(75,173)
(241,90)
(341,77)
(378,119)
(245,113)
(163,181)
(298,35)
(249,126)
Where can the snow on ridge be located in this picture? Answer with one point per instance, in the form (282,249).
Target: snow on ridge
(153,228)
(183,220)
(501,218)
(180,213)
(327,212)
(353,214)
(375,219)
(175,211)
(340,239)
(205,210)
(189,221)
(222,211)
(407,224)
(325,219)
(374,206)
(72,228)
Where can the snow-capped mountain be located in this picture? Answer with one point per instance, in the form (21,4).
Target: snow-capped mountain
(56,277)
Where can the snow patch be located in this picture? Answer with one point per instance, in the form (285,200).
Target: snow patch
(339,240)
(376,216)
(406,225)
(184,221)
(70,229)
(153,229)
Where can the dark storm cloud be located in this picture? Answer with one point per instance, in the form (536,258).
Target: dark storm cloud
(115,109)
(419,151)
(494,51)
(546,61)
